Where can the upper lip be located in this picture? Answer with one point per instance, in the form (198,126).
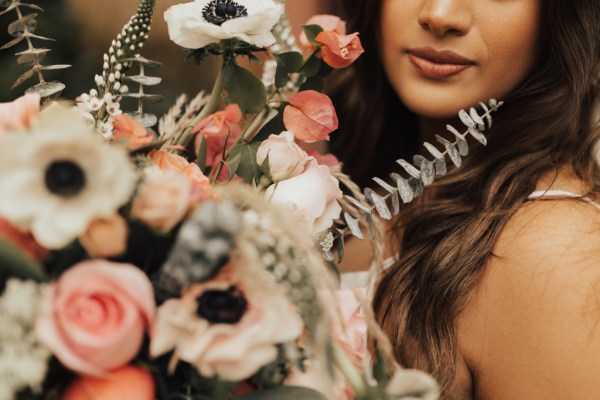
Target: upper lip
(440,57)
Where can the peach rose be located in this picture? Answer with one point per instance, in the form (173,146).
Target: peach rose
(162,200)
(105,237)
(228,326)
(19,114)
(131,383)
(311,116)
(221,123)
(169,162)
(96,315)
(339,51)
(327,22)
(286,158)
(129,130)
(313,194)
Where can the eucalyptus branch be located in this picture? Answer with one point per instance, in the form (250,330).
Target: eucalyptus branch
(422,174)
(23,29)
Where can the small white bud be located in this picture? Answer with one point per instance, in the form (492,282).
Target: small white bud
(113,59)
(132,48)
(124,89)
(111,78)
(117,86)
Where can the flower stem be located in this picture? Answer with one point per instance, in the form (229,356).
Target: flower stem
(353,377)
(209,108)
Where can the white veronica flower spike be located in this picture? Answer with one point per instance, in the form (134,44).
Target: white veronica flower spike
(202,22)
(61,176)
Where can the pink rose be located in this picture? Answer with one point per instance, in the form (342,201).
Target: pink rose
(313,194)
(311,116)
(352,334)
(339,51)
(105,237)
(131,383)
(327,22)
(19,114)
(96,315)
(228,326)
(221,123)
(286,158)
(129,130)
(162,200)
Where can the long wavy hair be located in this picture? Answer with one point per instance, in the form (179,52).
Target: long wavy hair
(546,122)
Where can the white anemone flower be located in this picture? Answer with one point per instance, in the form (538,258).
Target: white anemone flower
(202,22)
(61,175)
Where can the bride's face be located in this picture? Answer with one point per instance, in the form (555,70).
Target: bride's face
(444,55)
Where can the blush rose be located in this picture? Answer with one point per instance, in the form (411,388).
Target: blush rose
(95,316)
(286,158)
(19,114)
(313,194)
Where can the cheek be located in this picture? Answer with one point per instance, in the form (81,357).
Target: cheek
(512,42)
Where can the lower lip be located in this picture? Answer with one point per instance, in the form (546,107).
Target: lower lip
(436,70)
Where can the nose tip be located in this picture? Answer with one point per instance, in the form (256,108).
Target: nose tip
(445,17)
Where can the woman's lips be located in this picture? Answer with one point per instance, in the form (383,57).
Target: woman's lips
(438,64)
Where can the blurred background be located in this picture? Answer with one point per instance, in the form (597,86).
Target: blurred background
(84,29)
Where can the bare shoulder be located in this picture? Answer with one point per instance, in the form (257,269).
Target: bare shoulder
(532,327)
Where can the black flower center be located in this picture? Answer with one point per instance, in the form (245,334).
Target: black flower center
(222,306)
(218,11)
(64,178)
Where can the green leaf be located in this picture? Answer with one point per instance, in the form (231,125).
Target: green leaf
(292,60)
(244,88)
(312,66)
(273,127)
(380,369)
(311,32)
(201,160)
(233,165)
(248,169)
(287,63)
(15,263)
(284,392)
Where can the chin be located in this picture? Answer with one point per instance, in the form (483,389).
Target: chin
(438,104)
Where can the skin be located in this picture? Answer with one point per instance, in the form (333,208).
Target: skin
(500,36)
(530,329)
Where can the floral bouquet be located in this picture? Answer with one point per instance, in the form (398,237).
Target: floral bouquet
(190,256)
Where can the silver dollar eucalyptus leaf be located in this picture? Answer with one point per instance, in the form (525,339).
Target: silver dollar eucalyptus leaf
(416,185)
(357,204)
(393,194)
(31,55)
(47,89)
(477,118)
(412,171)
(24,24)
(461,143)
(353,225)
(379,203)
(451,150)
(487,116)
(466,118)
(145,119)
(372,227)
(406,193)
(144,80)
(477,135)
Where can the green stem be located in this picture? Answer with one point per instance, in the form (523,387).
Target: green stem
(209,108)
(353,377)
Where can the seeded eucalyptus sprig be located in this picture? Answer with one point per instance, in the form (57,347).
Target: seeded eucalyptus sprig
(422,172)
(23,30)
(124,47)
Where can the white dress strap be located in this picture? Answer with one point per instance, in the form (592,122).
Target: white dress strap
(561,193)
